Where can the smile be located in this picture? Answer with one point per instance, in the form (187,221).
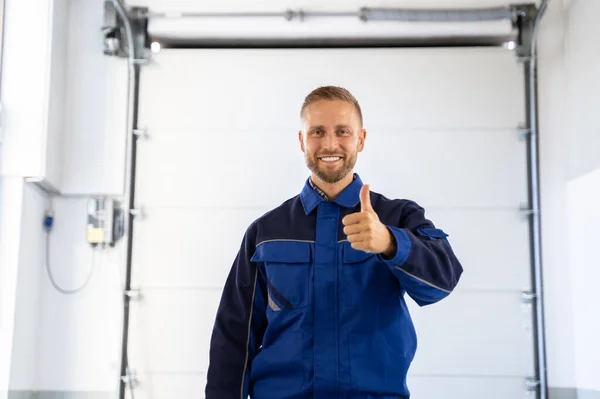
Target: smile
(330,159)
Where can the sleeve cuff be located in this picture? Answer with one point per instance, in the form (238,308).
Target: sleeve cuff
(403,245)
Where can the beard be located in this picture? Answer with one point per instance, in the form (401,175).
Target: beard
(330,174)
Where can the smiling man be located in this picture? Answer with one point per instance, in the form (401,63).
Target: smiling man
(314,306)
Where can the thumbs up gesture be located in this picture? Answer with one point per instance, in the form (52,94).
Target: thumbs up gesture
(364,230)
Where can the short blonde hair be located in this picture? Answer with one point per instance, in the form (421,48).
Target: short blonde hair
(331,93)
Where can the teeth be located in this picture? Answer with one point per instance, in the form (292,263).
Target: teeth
(330,159)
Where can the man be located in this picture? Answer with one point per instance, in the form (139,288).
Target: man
(314,304)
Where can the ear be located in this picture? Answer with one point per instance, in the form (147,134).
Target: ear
(301,140)
(362,136)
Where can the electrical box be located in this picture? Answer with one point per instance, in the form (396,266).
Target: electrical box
(104,222)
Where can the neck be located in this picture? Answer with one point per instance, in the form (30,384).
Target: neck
(333,190)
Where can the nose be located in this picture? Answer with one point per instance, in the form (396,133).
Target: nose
(330,142)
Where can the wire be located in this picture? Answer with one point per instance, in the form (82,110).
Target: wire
(48,220)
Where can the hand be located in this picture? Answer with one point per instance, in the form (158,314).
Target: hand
(364,230)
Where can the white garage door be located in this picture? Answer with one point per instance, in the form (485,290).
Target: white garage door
(223,150)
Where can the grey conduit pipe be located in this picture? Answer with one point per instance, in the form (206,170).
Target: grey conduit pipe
(366,14)
(125,379)
(534,198)
(130,123)
(457,15)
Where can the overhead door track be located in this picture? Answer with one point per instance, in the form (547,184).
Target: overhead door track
(364,28)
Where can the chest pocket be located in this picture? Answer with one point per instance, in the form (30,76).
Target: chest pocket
(287,265)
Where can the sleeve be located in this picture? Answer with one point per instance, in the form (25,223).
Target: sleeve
(424,262)
(238,329)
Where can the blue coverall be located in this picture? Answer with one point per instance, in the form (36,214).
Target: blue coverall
(303,315)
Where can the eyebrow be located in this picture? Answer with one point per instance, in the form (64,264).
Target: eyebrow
(337,127)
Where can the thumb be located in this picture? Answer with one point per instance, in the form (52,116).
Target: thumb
(365,199)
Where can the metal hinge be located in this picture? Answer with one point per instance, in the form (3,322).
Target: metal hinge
(524,58)
(141,132)
(130,379)
(525,211)
(532,384)
(135,294)
(523,131)
(137,212)
(143,61)
(528,297)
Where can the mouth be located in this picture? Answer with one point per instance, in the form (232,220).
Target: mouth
(330,159)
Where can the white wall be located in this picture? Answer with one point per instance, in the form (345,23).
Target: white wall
(50,341)
(553,140)
(79,335)
(27,306)
(583,197)
(78,340)
(25,349)
(11,205)
(95,108)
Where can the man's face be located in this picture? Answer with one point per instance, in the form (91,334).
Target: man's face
(331,137)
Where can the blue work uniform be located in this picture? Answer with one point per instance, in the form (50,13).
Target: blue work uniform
(303,315)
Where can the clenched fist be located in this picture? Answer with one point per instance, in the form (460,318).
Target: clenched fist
(364,230)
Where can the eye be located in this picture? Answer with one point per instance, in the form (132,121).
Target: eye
(317,132)
(343,132)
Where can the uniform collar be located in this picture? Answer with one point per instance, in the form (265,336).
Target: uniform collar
(348,198)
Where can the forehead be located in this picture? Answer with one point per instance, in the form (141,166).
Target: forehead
(330,112)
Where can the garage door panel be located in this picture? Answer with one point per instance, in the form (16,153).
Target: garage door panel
(220,170)
(493,247)
(188,247)
(447,168)
(474,333)
(195,247)
(263,170)
(242,88)
(470,387)
(170,330)
(223,150)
